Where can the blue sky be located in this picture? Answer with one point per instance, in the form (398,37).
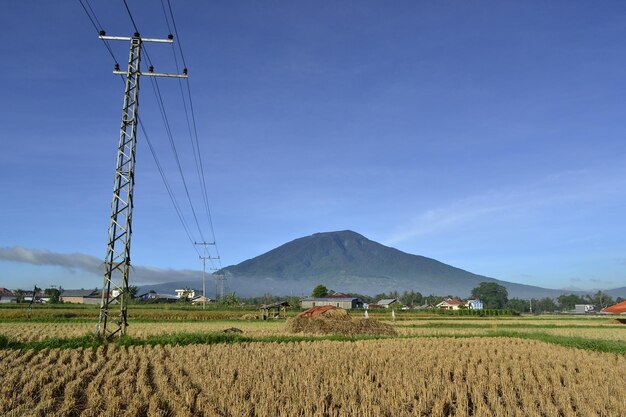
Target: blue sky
(489,136)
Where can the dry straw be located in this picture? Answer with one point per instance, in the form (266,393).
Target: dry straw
(336,321)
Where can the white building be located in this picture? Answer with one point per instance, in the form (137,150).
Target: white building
(388,302)
(190,293)
(583,308)
(450,304)
(474,304)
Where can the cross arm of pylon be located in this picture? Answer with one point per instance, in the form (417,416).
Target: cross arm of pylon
(151,72)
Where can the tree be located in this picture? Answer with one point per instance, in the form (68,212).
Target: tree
(492,295)
(411,298)
(515,304)
(53,294)
(132,291)
(545,305)
(319,291)
(432,300)
(568,302)
(230,300)
(600,300)
(19,295)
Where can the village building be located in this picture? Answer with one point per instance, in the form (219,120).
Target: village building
(584,308)
(341,302)
(190,293)
(388,302)
(81,296)
(201,299)
(619,308)
(154,297)
(7,296)
(474,304)
(450,304)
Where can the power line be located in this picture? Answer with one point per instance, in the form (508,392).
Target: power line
(167,186)
(97,27)
(180,47)
(157,91)
(195,128)
(167,22)
(131,17)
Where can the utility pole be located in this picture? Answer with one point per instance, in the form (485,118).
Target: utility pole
(117,260)
(221,279)
(204,258)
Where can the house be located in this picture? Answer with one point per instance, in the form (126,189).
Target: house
(583,308)
(619,308)
(345,303)
(388,302)
(81,296)
(34,297)
(474,304)
(7,296)
(450,304)
(338,295)
(154,297)
(190,293)
(201,299)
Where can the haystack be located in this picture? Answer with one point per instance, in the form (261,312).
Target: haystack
(335,320)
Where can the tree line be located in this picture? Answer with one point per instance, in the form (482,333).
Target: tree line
(493,296)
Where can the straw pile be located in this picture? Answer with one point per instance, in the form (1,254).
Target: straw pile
(334,320)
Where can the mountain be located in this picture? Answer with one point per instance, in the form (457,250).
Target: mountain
(617,292)
(349,262)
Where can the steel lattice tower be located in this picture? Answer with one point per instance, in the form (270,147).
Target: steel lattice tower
(117,260)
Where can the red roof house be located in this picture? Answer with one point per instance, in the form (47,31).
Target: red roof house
(619,308)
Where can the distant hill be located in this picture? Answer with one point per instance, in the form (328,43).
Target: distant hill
(617,292)
(349,262)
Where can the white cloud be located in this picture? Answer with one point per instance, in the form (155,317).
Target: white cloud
(91,264)
(516,202)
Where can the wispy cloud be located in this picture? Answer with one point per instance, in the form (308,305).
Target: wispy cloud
(91,264)
(514,202)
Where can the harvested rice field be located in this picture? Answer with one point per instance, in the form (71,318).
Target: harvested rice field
(40,331)
(597,329)
(420,366)
(392,377)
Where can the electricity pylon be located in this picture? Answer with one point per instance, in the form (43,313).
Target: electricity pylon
(117,260)
(204,258)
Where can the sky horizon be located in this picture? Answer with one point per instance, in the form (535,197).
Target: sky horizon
(488,136)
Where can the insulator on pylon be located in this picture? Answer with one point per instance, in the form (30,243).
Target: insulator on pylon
(151,68)
(117,67)
(136,34)
(170,36)
(102,33)
(185,71)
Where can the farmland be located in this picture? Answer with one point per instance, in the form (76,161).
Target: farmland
(437,366)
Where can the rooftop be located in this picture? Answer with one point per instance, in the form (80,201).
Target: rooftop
(452,301)
(80,293)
